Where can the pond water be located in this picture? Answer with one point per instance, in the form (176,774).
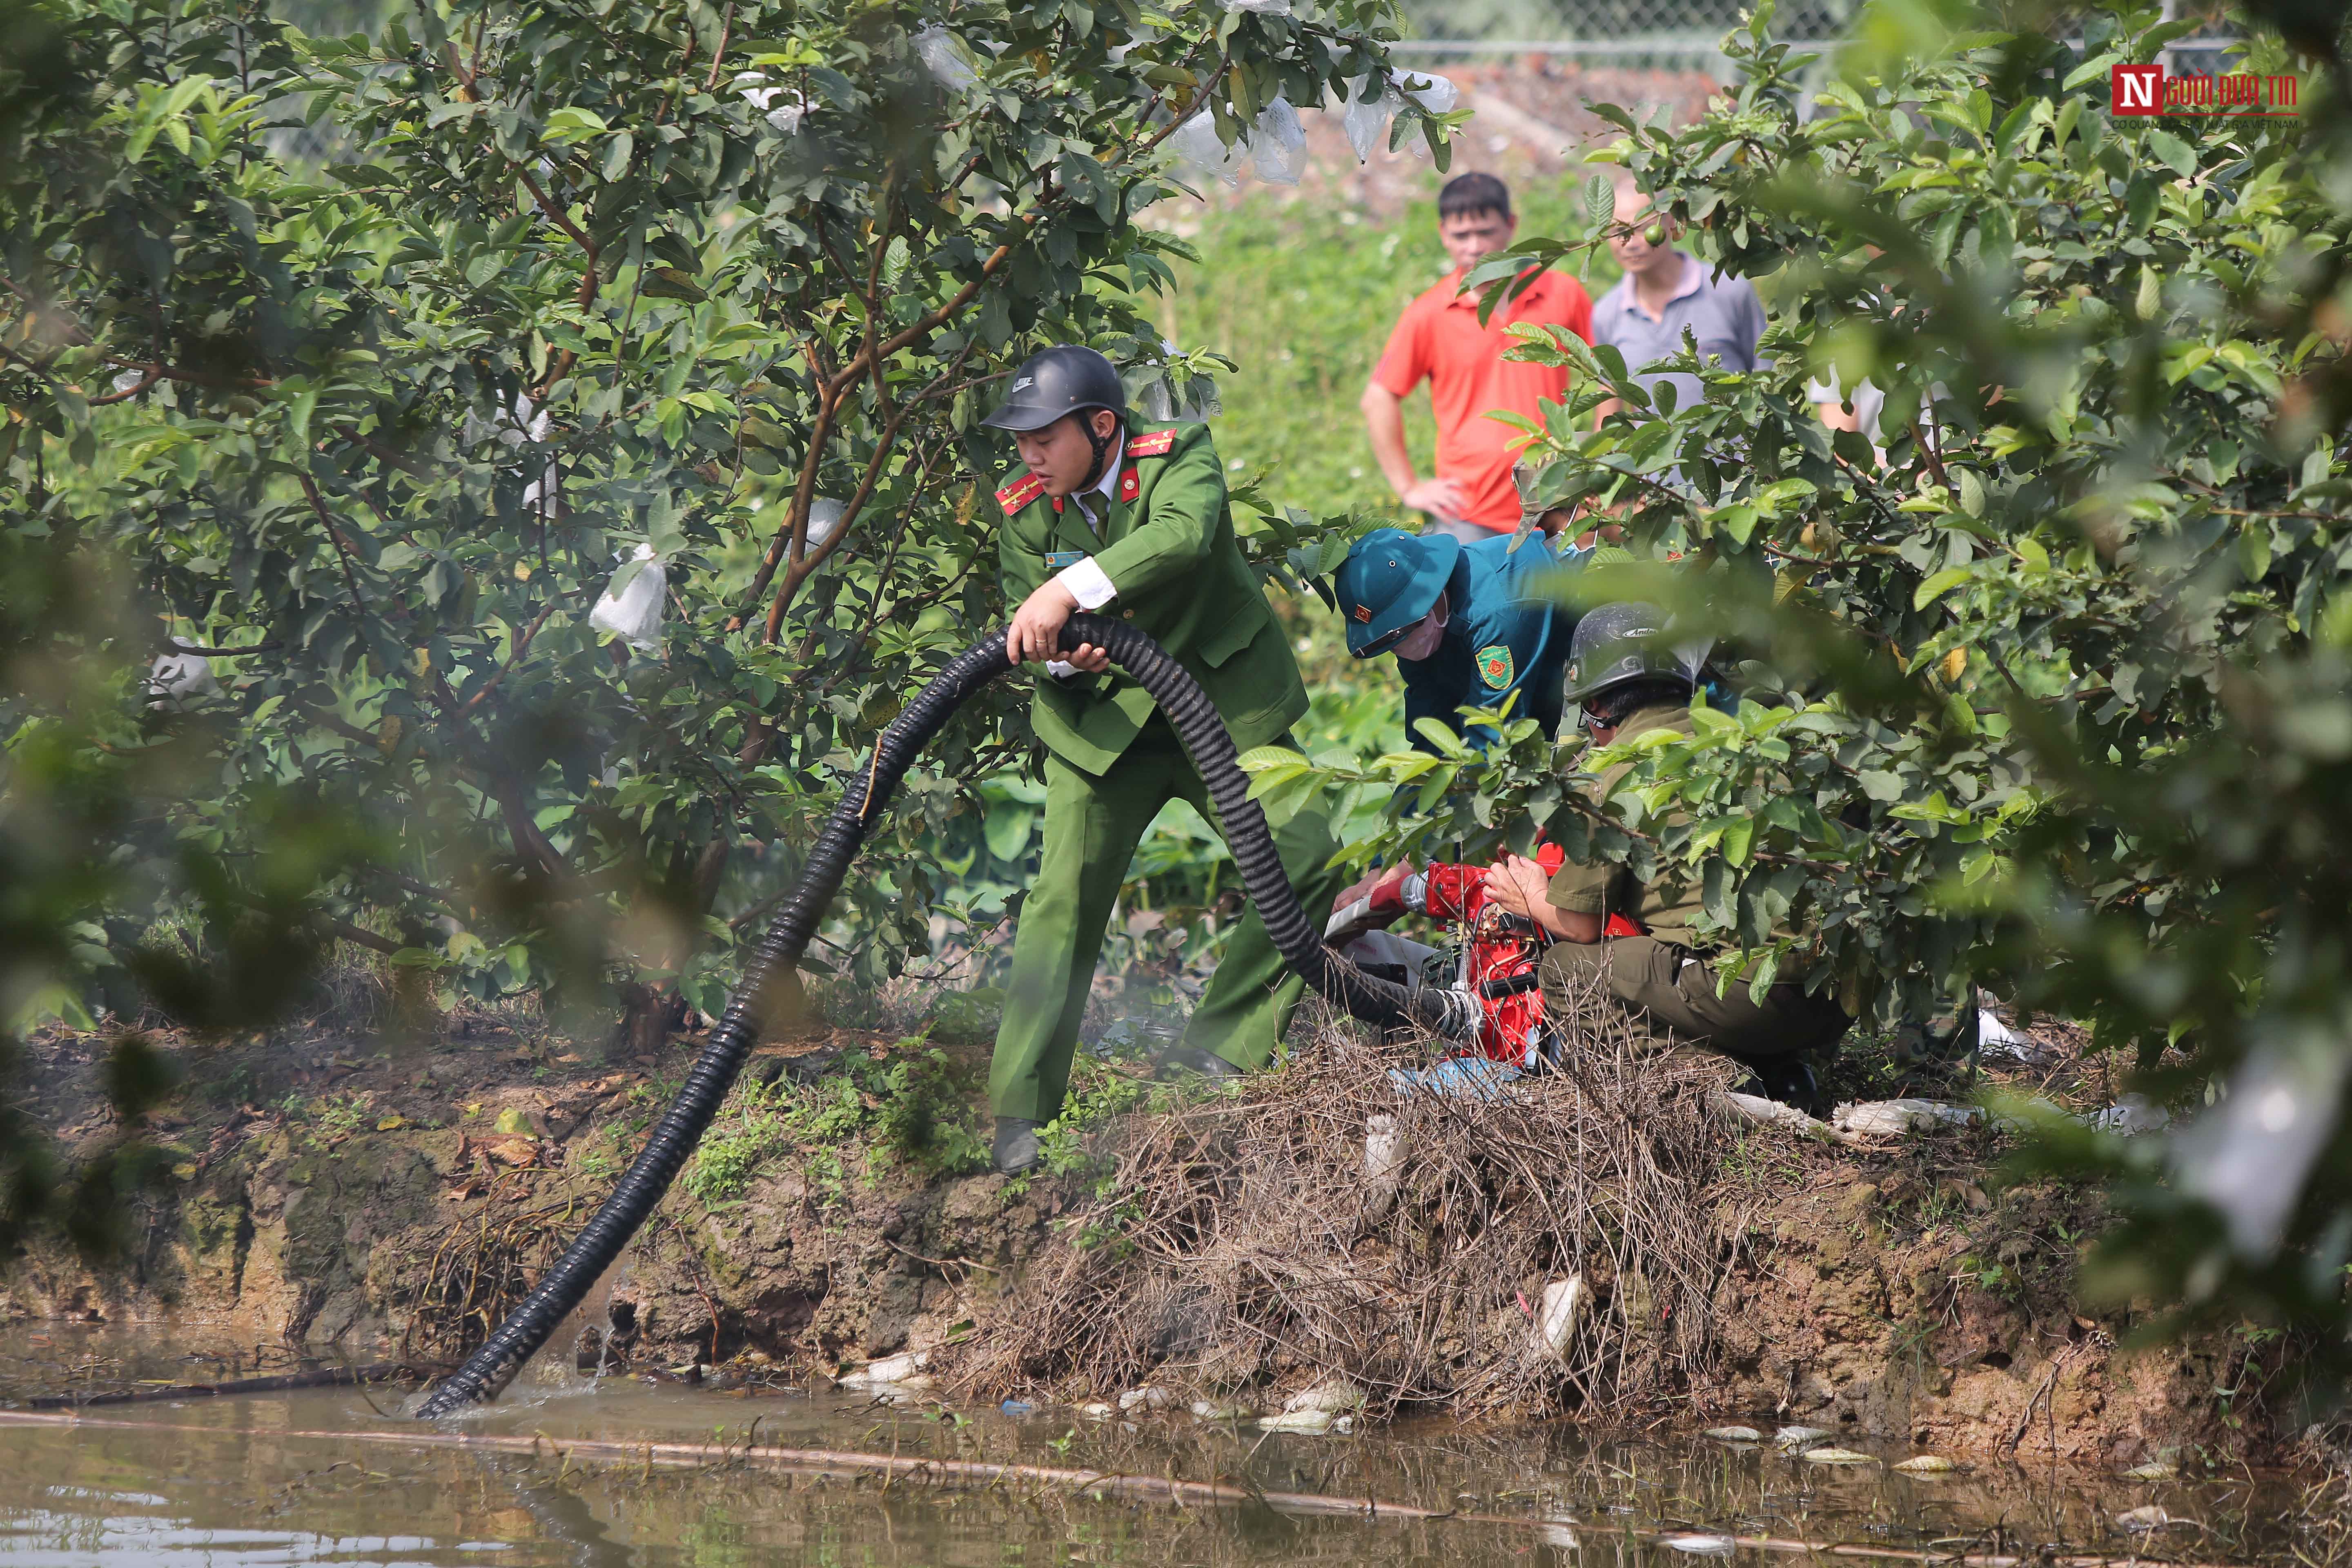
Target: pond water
(297,1478)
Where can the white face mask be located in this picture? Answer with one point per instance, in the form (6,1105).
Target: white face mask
(1422,640)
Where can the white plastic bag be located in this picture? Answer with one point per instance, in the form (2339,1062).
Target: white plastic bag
(784,106)
(1262,8)
(1436,95)
(634,614)
(1371,102)
(943,55)
(176,680)
(513,426)
(1197,146)
(1278,144)
(824,516)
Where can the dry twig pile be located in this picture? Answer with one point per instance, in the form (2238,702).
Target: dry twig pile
(1321,1221)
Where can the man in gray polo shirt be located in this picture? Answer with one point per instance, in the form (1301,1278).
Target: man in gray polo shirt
(1666,292)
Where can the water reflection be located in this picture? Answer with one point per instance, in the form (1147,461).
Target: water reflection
(291,1478)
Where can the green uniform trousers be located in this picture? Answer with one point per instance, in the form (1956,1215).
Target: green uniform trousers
(1674,988)
(1092,827)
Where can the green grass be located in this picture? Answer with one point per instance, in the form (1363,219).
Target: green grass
(914,1110)
(1302,299)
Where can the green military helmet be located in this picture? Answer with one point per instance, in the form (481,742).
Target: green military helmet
(1628,641)
(1390,580)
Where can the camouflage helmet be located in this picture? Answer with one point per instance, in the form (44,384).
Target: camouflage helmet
(1628,641)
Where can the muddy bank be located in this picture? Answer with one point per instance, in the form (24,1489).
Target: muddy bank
(396,1199)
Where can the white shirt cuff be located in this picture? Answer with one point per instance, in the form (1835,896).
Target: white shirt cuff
(1087,583)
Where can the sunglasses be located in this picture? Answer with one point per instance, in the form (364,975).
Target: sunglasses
(1385,641)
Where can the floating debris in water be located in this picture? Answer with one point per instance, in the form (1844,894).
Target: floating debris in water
(1704,1545)
(1926,1465)
(1837,1457)
(2157,1471)
(1331,1397)
(889,1370)
(2148,1518)
(1313,1423)
(1017,1407)
(1734,1434)
(1563,1300)
(1220,1410)
(1800,1437)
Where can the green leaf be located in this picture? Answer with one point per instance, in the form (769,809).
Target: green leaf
(2176,154)
(1600,202)
(1938,585)
(2254,551)
(1881,786)
(1258,757)
(573,125)
(1008,830)
(671,283)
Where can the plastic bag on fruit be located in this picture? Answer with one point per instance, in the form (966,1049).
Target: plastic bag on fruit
(1198,147)
(176,680)
(1371,102)
(631,609)
(1277,143)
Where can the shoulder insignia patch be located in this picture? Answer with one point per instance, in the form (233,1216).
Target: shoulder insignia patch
(1020,493)
(1153,444)
(1495,666)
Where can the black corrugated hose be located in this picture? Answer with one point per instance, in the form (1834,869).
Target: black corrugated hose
(1194,718)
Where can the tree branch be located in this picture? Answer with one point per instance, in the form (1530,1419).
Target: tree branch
(342,546)
(514,657)
(726,26)
(171,645)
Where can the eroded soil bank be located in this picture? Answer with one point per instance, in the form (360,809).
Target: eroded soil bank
(394,1199)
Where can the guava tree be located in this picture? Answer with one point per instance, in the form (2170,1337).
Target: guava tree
(584,293)
(2046,680)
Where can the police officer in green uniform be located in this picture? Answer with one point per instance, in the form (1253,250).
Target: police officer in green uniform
(1132,523)
(1471,625)
(1631,680)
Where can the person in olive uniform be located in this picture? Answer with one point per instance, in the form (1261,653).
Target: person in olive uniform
(1131,523)
(1470,623)
(1630,681)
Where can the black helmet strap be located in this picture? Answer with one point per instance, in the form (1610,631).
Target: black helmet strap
(1101,444)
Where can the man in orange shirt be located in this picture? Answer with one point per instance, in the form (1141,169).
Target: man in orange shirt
(1439,337)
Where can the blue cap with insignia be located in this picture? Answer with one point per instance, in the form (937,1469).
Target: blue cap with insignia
(1388,582)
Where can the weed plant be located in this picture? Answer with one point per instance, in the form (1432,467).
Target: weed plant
(913,1111)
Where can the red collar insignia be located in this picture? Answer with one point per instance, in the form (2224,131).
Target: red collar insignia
(1131,485)
(1020,493)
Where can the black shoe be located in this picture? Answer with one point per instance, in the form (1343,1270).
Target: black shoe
(1198,1063)
(1016,1145)
(1788,1079)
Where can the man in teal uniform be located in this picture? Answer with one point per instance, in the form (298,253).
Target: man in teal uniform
(1470,623)
(1130,523)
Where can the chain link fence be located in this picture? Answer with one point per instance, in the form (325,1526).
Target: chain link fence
(1636,35)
